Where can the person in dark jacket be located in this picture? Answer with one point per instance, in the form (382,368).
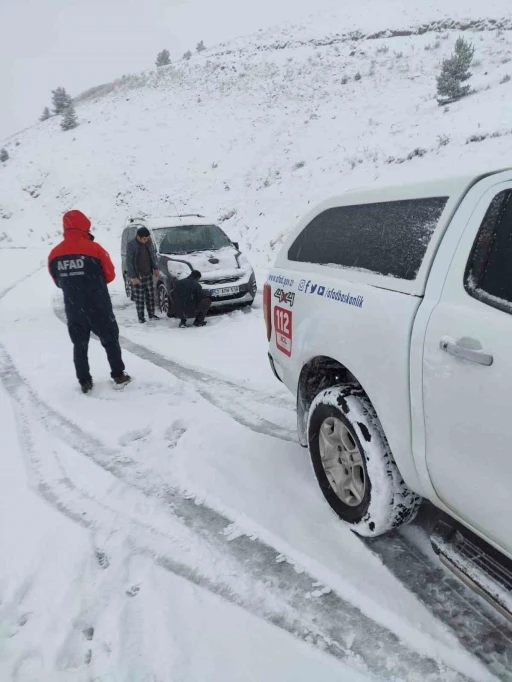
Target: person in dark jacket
(189,299)
(82,269)
(141,267)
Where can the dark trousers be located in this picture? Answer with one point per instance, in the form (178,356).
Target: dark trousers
(144,293)
(199,313)
(108,333)
(202,309)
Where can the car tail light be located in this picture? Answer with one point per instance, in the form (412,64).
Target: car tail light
(267,309)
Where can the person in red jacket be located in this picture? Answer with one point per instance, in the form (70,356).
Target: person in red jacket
(82,269)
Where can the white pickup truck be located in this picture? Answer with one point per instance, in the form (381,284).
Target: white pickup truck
(389,315)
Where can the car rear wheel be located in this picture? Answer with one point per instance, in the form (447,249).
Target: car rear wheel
(128,287)
(163,298)
(353,463)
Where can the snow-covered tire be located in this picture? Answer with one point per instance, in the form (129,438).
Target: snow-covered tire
(381,501)
(128,287)
(162,298)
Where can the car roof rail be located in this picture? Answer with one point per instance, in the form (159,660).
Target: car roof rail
(142,219)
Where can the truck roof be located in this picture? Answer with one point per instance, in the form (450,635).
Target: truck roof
(454,189)
(445,187)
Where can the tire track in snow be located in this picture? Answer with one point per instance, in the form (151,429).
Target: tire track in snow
(19,281)
(482,632)
(230,397)
(442,602)
(262,583)
(478,627)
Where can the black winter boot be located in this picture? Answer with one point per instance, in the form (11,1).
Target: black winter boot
(86,385)
(122,379)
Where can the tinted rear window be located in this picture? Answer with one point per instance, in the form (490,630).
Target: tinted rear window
(388,238)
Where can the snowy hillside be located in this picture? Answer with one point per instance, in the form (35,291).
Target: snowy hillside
(253,132)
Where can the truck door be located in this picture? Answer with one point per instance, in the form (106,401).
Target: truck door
(467,374)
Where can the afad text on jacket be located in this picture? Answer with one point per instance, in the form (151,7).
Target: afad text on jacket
(82,269)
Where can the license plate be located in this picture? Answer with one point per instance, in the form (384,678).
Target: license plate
(229,291)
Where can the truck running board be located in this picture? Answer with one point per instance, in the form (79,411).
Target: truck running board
(479,565)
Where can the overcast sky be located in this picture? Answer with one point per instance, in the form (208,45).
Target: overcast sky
(81,43)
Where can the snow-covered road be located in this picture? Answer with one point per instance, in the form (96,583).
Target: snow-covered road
(173,530)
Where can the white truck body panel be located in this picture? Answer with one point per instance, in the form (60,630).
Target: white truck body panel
(444,418)
(380,329)
(467,405)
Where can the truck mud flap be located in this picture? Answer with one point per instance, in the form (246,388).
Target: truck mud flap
(479,565)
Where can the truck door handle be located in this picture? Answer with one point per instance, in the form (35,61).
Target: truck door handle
(469,354)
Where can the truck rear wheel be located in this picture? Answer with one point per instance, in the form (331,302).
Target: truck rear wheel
(353,463)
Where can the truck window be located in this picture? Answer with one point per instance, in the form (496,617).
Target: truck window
(388,238)
(488,274)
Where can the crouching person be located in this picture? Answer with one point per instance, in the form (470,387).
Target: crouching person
(82,269)
(189,300)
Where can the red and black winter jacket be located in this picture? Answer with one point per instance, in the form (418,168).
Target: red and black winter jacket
(82,269)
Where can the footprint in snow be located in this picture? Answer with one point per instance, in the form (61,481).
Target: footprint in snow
(133,436)
(174,433)
(23,619)
(133,591)
(102,558)
(88,633)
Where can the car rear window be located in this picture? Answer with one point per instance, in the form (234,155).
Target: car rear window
(388,238)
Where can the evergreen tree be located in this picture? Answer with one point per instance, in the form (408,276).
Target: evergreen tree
(454,72)
(60,100)
(45,115)
(163,58)
(69,120)
(187,55)
(200,46)
(4,155)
